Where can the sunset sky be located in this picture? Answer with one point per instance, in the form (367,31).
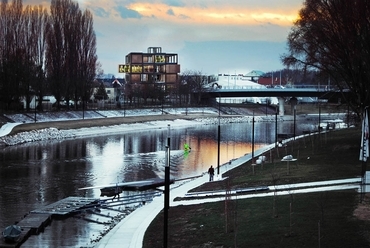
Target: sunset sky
(210,36)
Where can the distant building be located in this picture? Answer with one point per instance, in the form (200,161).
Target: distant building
(106,76)
(154,66)
(243,81)
(254,75)
(271,80)
(113,87)
(150,74)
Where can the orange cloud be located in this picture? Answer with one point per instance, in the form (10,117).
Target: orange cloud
(215,15)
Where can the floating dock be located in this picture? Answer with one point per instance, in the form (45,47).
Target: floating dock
(34,222)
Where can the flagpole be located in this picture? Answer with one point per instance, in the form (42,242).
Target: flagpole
(364,153)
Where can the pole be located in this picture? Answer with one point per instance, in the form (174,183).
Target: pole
(319,124)
(364,149)
(218,138)
(294,124)
(252,138)
(83,108)
(166,192)
(83,101)
(35,109)
(276,121)
(218,147)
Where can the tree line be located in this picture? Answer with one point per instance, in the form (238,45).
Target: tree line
(46,52)
(178,93)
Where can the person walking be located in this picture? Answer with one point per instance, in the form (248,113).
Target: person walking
(211,172)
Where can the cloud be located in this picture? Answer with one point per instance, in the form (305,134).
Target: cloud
(100,12)
(199,31)
(170,12)
(174,3)
(126,13)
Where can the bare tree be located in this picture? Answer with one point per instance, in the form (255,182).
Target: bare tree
(7,56)
(333,36)
(22,50)
(36,26)
(71,54)
(88,64)
(41,29)
(196,82)
(56,51)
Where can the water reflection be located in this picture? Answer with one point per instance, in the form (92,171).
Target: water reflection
(38,174)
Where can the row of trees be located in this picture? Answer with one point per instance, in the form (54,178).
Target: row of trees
(180,92)
(45,52)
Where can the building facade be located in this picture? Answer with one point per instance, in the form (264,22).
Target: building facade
(154,66)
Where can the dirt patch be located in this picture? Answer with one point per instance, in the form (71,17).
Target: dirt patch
(362,212)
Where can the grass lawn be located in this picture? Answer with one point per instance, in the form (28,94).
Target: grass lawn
(326,219)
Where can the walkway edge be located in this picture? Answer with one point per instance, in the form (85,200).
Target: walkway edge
(7,128)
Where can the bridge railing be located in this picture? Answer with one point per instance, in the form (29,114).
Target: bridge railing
(249,87)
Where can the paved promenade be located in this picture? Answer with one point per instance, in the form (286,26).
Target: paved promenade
(129,233)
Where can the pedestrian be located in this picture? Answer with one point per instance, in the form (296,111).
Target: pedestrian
(211,172)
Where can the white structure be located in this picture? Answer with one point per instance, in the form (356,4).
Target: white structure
(241,82)
(47,102)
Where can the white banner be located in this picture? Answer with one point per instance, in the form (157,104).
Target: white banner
(364,151)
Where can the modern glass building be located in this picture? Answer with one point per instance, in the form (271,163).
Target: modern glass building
(154,66)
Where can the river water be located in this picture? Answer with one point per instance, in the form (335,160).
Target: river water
(37,174)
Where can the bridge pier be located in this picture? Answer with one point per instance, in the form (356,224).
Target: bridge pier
(281,106)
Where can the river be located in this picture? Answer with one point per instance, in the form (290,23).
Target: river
(40,173)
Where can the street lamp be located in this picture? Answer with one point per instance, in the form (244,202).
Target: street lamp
(35,109)
(166,191)
(276,121)
(252,138)
(218,138)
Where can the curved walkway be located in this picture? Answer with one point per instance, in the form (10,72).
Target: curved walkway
(7,128)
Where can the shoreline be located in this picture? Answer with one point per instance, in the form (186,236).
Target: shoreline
(73,124)
(58,130)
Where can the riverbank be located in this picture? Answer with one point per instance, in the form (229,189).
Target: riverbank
(61,125)
(50,125)
(279,220)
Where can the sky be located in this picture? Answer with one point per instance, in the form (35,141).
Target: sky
(209,36)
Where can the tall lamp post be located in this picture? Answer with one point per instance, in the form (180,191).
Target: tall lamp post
(294,122)
(166,191)
(276,128)
(35,109)
(83,100)
(218,138)
(252,139)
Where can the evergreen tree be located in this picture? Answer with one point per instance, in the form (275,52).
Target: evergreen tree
(101,93)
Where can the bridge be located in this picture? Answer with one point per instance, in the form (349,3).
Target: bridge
(321,92)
